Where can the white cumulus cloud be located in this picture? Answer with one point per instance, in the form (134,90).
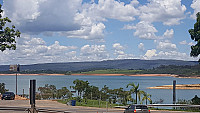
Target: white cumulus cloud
(93,52)
(149,54)
(145,30)
(173,55)
(94,32)
(34,50)
(195,5)
(119,50)
(170,12)
(184,42)
(166,46)
(168,33)
(92,15)
(111,9)
(37,16)
(118,46)
(141,46)
(154,54)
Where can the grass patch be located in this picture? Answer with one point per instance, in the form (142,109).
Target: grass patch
(112,71)
(90,103)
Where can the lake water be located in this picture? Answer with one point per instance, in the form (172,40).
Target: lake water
(111,81)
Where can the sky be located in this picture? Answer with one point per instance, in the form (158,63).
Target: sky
(55,31)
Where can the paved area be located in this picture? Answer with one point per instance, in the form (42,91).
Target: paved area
(58,107)
(53,105)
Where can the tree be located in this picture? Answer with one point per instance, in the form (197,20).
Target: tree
(118,93)
(146,97)
(134,89)
(127,98)
(195,35)
(53,90)
(113,95)
(2,88)
(7,35)
(104,93)
(63,93)
(80,86)
(140,93)
(48,91)
(122,95)
(92,92)
(196,100)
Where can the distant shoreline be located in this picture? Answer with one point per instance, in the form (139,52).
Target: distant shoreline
(32,74)
(124,74)
(89,75)
(80,74)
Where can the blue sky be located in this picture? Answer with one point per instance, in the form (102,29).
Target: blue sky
(96,30)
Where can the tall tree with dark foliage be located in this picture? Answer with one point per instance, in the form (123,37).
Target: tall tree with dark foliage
(195,35)
(7,34)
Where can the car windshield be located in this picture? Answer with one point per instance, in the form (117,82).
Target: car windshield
(141,107)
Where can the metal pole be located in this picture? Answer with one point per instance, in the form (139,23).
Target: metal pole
(174,91)
(32,95)
(18,70)
(16,83)
(23,93)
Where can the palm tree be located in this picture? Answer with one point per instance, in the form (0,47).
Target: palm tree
(139,93)
(134,89)
(146,97)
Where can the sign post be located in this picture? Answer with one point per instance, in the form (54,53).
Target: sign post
(15,68)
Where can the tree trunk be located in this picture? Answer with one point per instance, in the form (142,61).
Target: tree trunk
(136,97)
(146,101)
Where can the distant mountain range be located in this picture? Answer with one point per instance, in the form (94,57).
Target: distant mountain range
(108,64)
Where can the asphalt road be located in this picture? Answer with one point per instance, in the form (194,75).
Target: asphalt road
(19,106)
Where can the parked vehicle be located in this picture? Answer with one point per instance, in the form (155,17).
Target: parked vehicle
(137,109)
(8,96)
